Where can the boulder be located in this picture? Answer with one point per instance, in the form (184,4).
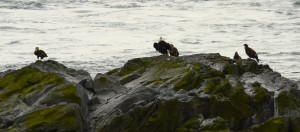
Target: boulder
(32,99)
(103,83)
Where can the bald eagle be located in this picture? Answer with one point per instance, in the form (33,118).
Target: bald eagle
(251,53)
(162,47)
(173,51)
(236,56)
(40,53)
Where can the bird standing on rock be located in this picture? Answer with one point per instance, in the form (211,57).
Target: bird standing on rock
(162,47)
(173,51)
(251,53)
(40,53)
(236,56)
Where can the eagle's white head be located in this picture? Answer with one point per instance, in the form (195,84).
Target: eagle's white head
(160,39)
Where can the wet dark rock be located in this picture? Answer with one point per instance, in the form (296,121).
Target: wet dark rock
(5,123)
(88,84)
(130,77)
(103,82)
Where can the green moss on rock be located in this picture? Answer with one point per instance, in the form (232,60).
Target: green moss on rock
(240,99)
(4,82)
(279,124)
(113,71)
(232,69)
(66,93)
(132,65)
(188,82)
(166,119)
(260,93)
(195,77)
(190,125)
(234,114)
(13,128)
(27,80)
(288,102)
(56,118)
(217,86)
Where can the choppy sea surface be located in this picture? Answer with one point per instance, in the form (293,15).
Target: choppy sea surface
(99,35)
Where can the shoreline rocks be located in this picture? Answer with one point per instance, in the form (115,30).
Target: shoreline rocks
(202,92)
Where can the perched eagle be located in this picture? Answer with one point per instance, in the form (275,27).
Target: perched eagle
(251,53)
(162,46)
(236,56)
(173,51)
(40,53)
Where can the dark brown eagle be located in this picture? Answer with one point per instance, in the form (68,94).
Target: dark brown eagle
(162,47)
(173,51)
(251,53)
(236,56)
(40,53)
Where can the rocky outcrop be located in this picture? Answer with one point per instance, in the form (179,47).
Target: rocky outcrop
(70,74)
(38,99)
(203,92)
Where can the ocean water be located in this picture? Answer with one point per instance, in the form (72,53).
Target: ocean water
(99,35)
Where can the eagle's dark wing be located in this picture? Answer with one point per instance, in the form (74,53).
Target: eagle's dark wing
(43,53)
(252,54)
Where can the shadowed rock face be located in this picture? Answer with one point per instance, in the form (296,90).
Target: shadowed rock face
(203,92)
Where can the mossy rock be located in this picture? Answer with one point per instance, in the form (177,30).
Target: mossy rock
(278,124)
(288,102)
(235,114)
(214,86)
(55,118)
(250,65)
(191,124)
(260,93)
(232,69)
(66,93)
(13,128)
(242,66)
(216,57)
(240,99)
(195,77)
(103,82)
(166,115)
(112,72)
(27,80)
(132,65)
(294,123)
(217,86)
